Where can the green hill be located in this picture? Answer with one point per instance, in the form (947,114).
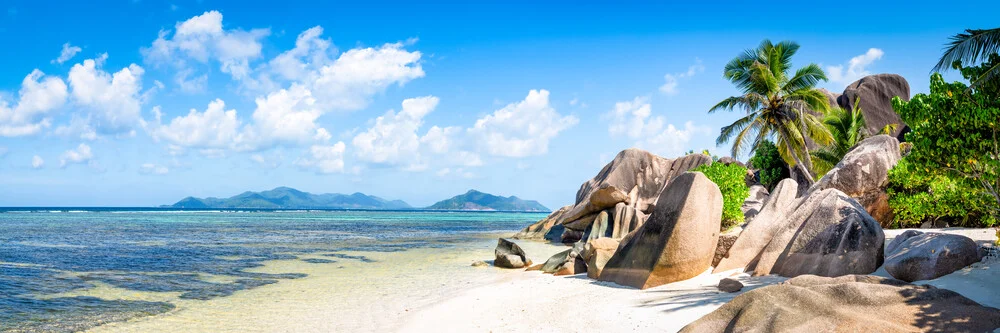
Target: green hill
(475,200)
(290,198)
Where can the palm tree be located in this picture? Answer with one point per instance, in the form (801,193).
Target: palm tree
(847,128)
(776,105)
(972,46)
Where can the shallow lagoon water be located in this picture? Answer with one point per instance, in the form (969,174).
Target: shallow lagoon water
(52,264)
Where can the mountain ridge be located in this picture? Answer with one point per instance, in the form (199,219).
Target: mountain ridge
(476,200)
(284,197)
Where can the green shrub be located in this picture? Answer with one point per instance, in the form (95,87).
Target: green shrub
(772,168)
(917,196)
(734,189)
(953,170)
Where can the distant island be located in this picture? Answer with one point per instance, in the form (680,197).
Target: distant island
(475,200)
(290,198)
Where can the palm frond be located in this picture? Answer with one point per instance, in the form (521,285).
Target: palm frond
(805,78)
(990,74)
(729,131)
(970,47)
(731,103)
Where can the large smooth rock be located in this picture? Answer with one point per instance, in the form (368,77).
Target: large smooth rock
(827,234)
(874,95)
(677,242)
(509,255)
(631,169)
(848,304)
(597,252)
(754,202)
(863,174)
(758,232)
(914,255)
(544,229)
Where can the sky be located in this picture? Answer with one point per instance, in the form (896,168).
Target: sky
(142,103)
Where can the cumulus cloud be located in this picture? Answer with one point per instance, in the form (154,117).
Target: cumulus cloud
(37,162)
(81,154)
(38,97)
(855,67)
(669,86)
(285,117)
(295,88)
(393,139)
(153,169)
(68,52)
(114,100)
(521,129)
(214,129)
(635,120)
(202,38)
(324,159)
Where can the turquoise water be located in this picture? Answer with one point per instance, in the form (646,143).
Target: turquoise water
(45,253)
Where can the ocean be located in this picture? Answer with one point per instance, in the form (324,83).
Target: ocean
(53,261)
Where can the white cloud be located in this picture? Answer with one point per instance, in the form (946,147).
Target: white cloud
(153,169)
(634,120)
(37,98)
(285,117)
(324,159)
(202,38)
(855,67)
(521,129)
(81,154)
(214,129)
(393,139)
(37,162)
(77,128)
(440,140)
(358,74)
(68,52)
(113,99)
(669,87)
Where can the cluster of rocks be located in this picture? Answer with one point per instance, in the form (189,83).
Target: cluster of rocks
(616,201)
(645,221)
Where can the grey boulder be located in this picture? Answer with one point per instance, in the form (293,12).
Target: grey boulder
(863,174)
(509,255)
(914,255)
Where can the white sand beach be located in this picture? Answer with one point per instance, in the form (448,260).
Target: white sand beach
(425,290)
(576,303)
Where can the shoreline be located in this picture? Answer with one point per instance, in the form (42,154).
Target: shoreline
(437,289)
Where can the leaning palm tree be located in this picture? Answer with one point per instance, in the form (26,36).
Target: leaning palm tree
(847,128)
(776,105)
(971,47)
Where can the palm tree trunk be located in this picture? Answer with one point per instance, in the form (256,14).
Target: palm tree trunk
(801,168)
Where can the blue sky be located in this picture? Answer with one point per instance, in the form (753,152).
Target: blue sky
(140,103)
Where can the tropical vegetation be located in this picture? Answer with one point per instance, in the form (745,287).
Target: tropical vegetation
(950,176)
(777,105)
(771,168)
(847,128)
(731,181)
